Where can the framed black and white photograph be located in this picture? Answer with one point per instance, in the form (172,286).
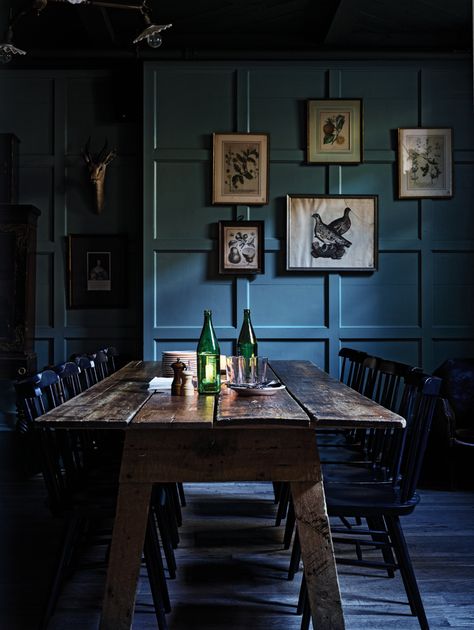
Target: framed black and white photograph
(97,271)
(334,131)
(240,168)
(241,247)
(425,163)
(331,233)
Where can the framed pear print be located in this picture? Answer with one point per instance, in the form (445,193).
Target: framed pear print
(241,247)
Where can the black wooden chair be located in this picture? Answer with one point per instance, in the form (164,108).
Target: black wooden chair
(112,356)
(83,498)
(374,460)
(386,503)
(70,379)
(351,366)
(452,439)
(101,362)
(89,375)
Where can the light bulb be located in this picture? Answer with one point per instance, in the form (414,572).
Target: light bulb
(154,40)
(5,56)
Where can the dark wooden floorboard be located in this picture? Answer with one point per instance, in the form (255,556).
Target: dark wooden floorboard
(232,568)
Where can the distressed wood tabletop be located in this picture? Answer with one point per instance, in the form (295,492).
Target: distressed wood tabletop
(330,403)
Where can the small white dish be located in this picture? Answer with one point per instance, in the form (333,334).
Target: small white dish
(257,391)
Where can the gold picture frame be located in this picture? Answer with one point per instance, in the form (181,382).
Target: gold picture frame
(240,168)
(334,131)
(425,163)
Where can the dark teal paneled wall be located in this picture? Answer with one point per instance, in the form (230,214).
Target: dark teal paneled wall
(53,113)
(418,307)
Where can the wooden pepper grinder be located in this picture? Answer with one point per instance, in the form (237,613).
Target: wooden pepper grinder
(187,388)
(178,369)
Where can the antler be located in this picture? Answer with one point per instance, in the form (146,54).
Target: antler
(105,157)
(86,154)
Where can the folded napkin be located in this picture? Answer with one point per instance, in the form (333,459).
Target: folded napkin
(160,384)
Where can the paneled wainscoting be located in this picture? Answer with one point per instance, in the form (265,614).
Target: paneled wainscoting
(232,568)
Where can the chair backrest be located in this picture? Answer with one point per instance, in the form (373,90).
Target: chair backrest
(69,373)
(368,376)
(112,355)
(101,362)
(419,421)
(351,365)
(37,395)
(88,370)
(458,388)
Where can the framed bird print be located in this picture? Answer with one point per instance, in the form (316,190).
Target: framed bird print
(334,131)
(331,233)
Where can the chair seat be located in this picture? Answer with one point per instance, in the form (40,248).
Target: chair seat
(353,473)
(464,437)
(364,498)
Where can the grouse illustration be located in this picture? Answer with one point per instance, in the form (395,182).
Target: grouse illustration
(341,225)
(327,235)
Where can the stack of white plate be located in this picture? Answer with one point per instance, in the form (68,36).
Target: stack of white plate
(171,356)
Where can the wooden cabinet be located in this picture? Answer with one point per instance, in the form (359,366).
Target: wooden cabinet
(17,289)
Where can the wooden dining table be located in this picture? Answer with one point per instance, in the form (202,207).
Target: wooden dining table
(221,438)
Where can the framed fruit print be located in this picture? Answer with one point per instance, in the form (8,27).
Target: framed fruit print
(334,131)
(241,247)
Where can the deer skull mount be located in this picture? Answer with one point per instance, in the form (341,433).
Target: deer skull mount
(97,165)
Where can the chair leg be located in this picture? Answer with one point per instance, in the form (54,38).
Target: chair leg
(276,491)
(378,524)
(406,569)
(156,574)
(283,503)
(295,557)
(173,497)
(306,618)
(71,536)
(289,526)
(302,597)
(182,496)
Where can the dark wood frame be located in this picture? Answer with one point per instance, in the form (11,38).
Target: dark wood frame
(225,267)
(330,266)
(427,192)
(218,169)
(356,154)
(78,246)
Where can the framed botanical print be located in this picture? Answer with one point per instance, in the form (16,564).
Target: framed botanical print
(331,233)
(240,168)
(425,163)
(97,271)
(241,247)
(334,131)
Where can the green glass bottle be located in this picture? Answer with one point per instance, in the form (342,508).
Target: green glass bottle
(208,359)
(247,345)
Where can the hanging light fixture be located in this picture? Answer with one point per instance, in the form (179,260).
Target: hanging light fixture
(151,33)
(7,49)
